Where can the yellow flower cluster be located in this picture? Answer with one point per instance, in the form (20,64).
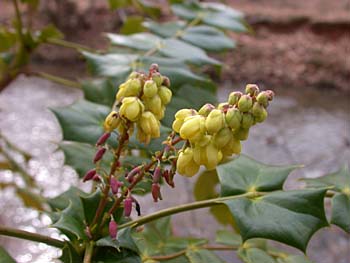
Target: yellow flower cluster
(215,132)
(141,100)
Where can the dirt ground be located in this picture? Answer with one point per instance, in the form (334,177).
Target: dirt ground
(295,43)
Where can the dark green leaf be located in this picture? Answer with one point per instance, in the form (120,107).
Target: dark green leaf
(140,41)
(215,14)
(5,257)
(202,255)
(111,255)
(101,91)
(293,259)
(90,204)
(7,39)
(208,38)
(71,223)
(179,49)
(341,211)
(69,254)
(167,29)
(80,155)
(244,174)
(148,7)
(255,255)
(72,195)
(228,238)
(289,217)
(340,183)
(110,65)
(82,121)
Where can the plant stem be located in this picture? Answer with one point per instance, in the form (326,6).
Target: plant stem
(101,206)
(88,252)
(12,232)
(185,207)
(19,26)
(58,80)
(68,44)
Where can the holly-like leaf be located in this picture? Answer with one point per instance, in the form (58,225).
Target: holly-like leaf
(215,14)
(110,65)
(167,29)
(179,49)
(202,255)
(82,121)
(101,91)
(341,211)
(244,174)
(289,217)
(5,256)
(255,255)
(208,38)
(80,155)
(139,41)
(69,254)
(340,183)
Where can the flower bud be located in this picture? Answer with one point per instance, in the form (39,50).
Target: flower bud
(166,82)
(270,95)
(131,108)
(252,89)
(223,106)
(113,229)
(150,89)
(262,117)
(157,78)
(223,137)
(130,88)
(191,128)
(154,68)
(155,191)
(96,178)
(241,134)
(112,121)
(156,174)
(99,154)
(191,169)
(259,112)
(154,104)
(245,103)
(247,120)
(212,156)
(200,155)
(205,139)
(206,109)
(89,175)
(115,184)
(134,75)
(215,121)
(232,147)
(184,159)
(149,124)
(165,94)
(184,113)
(160,114)
(127,206)
(104,137)
(234,97)
(233,118)
(167,178)
(263,98)
(143,137)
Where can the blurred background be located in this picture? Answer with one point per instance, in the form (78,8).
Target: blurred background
(300,49)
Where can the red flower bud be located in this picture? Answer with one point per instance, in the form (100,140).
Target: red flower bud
(115,184)
(96,178)
(156,174)
(132,173)
(156,192)
(127,206)
(166,176)
(113,229)
(89,175)
(99,154)
(104,137)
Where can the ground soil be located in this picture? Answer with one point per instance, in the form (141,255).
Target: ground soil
(294,44)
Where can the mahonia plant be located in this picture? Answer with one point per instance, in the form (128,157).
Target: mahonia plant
(208,135)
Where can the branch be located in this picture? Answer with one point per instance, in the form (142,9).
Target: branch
(184,208)
(58,80)
(88,252)
(12,232)
(68,44)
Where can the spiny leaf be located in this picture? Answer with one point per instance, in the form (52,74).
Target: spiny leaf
(5,256)
(244,174)
(289,217)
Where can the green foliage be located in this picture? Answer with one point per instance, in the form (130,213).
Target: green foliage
(339,182)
